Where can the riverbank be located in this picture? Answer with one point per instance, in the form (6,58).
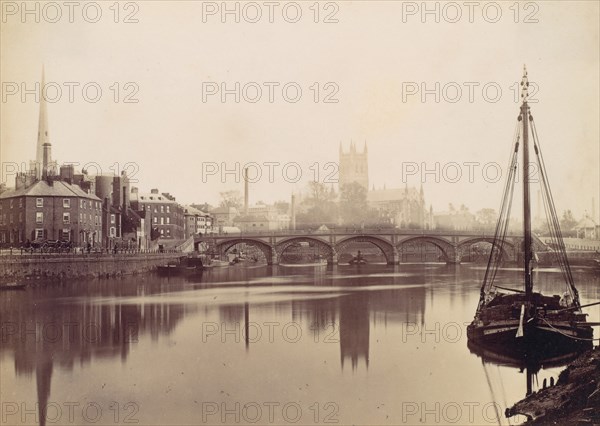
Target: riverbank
(574,400)
(93,265)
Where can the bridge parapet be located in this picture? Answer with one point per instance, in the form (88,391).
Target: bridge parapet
(453,244)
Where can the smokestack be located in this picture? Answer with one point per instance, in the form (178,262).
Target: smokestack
(246,191)
(593,209)
(293,213)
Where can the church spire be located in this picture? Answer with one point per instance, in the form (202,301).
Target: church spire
(43,140)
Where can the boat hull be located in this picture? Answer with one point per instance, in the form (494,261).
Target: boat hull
(171,270)
(549,337)
(13,286)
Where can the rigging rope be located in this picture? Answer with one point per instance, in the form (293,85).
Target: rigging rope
(566,335)
(503,219)
(556,233)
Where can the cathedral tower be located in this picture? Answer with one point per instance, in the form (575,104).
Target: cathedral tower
(354,166)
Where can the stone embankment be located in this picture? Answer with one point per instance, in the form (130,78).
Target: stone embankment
(69,265)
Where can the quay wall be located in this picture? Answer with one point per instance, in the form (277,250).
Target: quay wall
(94,265)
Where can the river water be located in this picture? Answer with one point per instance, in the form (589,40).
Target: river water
(268,345)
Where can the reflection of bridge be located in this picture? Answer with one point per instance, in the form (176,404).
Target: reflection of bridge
(392,242)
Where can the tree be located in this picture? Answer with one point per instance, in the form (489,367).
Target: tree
(322,208)
(282,207)
(353,203)
(568,222)
(231,199)
(486,217)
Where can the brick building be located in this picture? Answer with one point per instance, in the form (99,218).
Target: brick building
(196,222)
(49,209)
(164,213)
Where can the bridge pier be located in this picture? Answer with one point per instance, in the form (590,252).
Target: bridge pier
(332,259)
(455,258)
(395,258)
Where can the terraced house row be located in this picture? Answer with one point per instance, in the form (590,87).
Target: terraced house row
(53,210)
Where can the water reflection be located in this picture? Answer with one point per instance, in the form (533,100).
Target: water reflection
(117,332)
(62,325)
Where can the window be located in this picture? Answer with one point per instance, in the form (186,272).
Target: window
(66,203)
(20,203)
(162,209)
(168,209)
(162,232)
(168,232)
(112,218)
(113,231)
(11,218)
(66,218)
(39,233)
(155,219)
(39,202)
(168,220)
(11,203)
(39,217)
(96,220)
(81,217)
(81,203)
(162,220)
(66,234)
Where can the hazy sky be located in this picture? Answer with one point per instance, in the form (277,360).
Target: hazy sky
(372,57)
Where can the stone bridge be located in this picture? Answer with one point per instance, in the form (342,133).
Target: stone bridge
(452,244)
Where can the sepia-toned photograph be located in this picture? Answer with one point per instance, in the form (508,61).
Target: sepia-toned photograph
(309,212)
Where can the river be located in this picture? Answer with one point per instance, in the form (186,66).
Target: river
(370,344)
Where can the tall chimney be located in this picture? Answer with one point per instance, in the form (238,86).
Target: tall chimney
(293,213)
(593,209)
(246,191)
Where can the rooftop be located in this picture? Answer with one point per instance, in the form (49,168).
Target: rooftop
(42,189)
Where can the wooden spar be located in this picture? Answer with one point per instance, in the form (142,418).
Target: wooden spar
(509,289)
(577,307)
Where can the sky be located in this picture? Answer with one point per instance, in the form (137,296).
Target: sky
(424,95)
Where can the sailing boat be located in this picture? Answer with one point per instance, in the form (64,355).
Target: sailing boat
(521,319)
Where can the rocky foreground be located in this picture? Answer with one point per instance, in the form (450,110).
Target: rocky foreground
(574,400)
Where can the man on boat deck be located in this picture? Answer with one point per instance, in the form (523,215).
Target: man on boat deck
(566,300)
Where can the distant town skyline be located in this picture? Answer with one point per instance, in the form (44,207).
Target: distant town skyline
(175,126)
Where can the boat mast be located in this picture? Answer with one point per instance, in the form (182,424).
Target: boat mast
(526,203)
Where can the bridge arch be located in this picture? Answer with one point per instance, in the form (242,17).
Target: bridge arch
(389,251)
(281,246)
(508,250)
(447,248)
(265,248)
